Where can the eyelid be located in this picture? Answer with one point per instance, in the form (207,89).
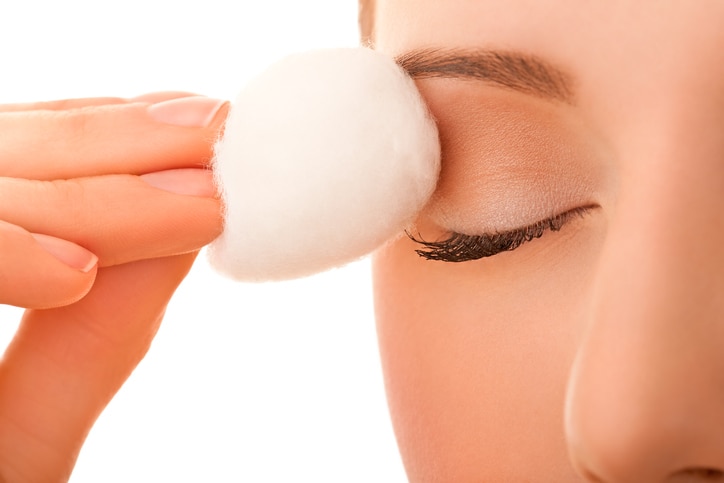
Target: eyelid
(462,248)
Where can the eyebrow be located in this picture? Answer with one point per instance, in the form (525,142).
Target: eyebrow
(521,72)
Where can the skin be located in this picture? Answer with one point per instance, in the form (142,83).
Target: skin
(594,353)
(103,206)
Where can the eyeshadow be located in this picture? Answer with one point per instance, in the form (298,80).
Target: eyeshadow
(508,159)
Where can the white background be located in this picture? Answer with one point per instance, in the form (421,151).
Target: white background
(259,383)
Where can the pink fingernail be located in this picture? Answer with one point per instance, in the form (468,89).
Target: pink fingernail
(162,96)
(186,111)
(75,256)
(194,182)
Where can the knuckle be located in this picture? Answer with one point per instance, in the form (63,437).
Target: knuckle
(78,129)
(69,193)
(75,124)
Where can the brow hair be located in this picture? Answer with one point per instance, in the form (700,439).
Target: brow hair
(513,70)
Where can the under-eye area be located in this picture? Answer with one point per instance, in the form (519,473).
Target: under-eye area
(458,247)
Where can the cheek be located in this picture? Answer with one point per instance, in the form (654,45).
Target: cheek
(476,356)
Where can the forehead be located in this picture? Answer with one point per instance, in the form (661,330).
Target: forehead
(645,56)
(551,23)
(589,35)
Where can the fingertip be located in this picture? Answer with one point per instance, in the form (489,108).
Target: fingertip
(43,271)
(75,256)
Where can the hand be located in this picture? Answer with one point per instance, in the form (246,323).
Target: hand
(103,204)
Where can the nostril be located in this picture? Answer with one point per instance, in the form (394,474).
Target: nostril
(690,475)
(590,477)
(698,475)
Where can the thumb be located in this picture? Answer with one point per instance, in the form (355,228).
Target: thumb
(42,271)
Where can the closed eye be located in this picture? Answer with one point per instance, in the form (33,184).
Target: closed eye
(462,248)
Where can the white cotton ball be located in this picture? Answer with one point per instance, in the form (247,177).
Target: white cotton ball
(325,156)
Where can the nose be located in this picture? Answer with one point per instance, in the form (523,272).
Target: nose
(645,401)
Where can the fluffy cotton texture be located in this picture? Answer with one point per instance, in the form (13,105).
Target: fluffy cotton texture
(325,156)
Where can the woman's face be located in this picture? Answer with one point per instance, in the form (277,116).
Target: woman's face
(595,351)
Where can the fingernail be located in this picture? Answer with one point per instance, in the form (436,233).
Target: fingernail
(186,111)
(162,96)
(75,256)
(194,182)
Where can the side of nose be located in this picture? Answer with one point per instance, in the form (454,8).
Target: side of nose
(645,400)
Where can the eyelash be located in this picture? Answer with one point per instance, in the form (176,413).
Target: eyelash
(463,248)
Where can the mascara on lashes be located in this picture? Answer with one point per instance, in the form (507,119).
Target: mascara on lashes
(462,248)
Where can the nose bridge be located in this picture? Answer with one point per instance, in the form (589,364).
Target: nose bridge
(646,394)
